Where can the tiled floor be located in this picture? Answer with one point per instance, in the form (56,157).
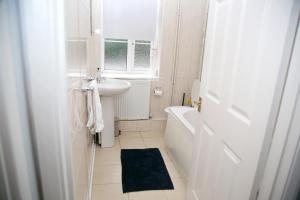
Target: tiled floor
(107,184)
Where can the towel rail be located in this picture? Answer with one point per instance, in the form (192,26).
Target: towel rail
(83,89)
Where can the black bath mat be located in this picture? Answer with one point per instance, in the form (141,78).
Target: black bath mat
(144,169)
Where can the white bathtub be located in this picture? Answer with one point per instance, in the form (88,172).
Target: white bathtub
(179,136)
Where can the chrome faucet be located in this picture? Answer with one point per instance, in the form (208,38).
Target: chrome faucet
(99,77)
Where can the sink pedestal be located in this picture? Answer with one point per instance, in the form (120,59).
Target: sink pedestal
(108,88)
(108,133)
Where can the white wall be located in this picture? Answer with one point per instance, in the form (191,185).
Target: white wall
(186,60)
(81,139)
(78,55)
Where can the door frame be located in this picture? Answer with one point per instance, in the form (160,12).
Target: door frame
(36,156)
(15,132)
(272,158)
(43,41)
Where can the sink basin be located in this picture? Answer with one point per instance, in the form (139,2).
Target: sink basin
(108,88)
(112,87)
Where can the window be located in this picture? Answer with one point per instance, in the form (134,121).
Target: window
(115,54)
(129,36)
(142,51)
(76,55)
(127,55)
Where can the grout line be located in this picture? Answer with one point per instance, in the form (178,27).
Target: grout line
(110,183)
(143,139)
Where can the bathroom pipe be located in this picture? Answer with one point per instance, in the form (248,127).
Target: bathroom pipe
(174,72)
(204,39)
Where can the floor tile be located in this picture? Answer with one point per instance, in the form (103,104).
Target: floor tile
(179,184)
(104,174)
(173,172)
(176,195)
(108,192)
(179,192)
(154,142)
(107,156)
(165,154)
(115,147)
(152,134)
(107,169)
(132,143)
(130,134)
(148,195)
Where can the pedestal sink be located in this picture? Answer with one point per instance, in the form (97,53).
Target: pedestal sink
(108,88)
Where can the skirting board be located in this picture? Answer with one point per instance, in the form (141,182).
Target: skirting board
(142,125)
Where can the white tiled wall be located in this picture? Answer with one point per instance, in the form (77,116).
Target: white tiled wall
(188,58)
(81,139)
(190,46)
(78,58)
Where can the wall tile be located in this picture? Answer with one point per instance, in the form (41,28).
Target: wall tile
(81,140)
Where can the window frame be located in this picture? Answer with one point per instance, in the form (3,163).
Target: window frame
(115,41)
(130,68)
(155,52)
(139,68)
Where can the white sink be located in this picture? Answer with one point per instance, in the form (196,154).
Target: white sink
(112,87)
(108,89)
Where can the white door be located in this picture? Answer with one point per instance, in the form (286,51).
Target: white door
(243,52)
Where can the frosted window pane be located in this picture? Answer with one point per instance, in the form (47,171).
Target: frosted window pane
(76,55)
(142,54)
(115,54)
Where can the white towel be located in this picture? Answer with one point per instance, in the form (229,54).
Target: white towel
(95,118)
(90,110)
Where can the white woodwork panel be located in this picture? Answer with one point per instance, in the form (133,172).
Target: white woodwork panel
(217,54)
(240,114)
(205,153)
(243,87)
(228,168)
(245,64)
(244,44)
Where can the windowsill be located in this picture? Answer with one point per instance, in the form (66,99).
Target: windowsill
(130,76)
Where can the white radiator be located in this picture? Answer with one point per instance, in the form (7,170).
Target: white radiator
(135,103)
